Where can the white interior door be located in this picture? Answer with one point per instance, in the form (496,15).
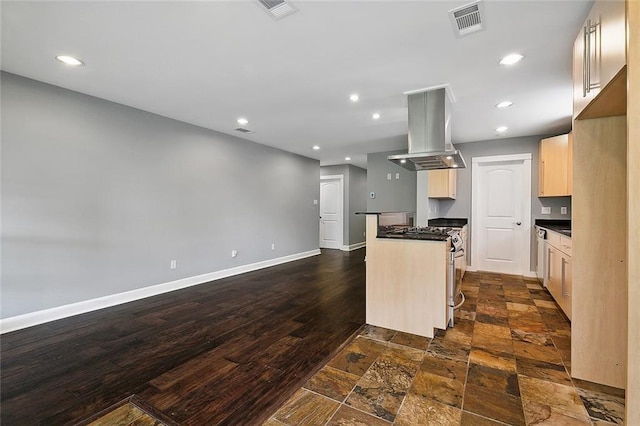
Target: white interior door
(331,207)
(501,197)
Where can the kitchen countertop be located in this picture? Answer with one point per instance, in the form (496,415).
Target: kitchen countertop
(448,222)
(379,213)
(557,225)
(397,235)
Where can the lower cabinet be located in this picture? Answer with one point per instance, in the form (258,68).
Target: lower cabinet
(559,280)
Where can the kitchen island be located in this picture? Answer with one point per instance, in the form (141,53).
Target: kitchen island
(406,279)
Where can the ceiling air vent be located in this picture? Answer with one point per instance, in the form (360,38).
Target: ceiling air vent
(243,130)
(467,19)
(278,9)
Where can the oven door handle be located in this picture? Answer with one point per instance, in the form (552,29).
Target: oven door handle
(459,253)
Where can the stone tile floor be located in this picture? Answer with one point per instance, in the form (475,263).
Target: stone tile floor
(126,414)
(506,361)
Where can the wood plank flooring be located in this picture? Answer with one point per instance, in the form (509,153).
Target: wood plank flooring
(226,352)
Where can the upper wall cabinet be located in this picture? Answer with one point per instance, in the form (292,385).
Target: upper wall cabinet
(599,59)
(555,171)
(442,183)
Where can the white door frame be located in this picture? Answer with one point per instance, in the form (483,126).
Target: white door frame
(340,179)
(526,220)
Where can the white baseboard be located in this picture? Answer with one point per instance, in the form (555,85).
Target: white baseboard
(39,317)
(355,246)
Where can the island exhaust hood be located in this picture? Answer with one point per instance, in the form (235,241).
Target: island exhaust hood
(430,146)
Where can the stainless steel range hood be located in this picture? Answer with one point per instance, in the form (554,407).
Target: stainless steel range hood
(430,144)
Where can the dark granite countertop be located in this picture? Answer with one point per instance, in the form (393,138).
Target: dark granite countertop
(379,213)
(557,225)
(423,237)
(448,222)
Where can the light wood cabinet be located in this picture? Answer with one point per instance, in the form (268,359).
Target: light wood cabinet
(598,53)
(399,295)
(442,183)
(632,416)
(463,234)
(554,170)
(599,252)
(559,277)
(570,164)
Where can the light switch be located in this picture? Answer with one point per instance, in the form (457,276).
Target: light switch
(372,195)
(315,202)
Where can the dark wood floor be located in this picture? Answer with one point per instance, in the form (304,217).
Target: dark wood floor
(228,352)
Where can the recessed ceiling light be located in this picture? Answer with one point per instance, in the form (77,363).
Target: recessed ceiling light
(69,60)
(242,121)
(449,157)
(403,161)
(375,116)
(511,59)
(315,147)
(354,97)
(501,129)
(504,104)
(347,158)
(454,165)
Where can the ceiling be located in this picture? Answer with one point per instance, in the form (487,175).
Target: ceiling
(210,62)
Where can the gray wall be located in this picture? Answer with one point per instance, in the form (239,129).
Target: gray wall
(355,200)
(97,198)
(395,195)
(461,207)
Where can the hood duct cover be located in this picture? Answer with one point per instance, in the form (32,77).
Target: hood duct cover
(429,134)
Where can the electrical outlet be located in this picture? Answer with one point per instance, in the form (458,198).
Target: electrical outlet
(174,264)
(234,253)
(563,210)
(315,202)
(397,175)
(388,176)
(546,210)
(273,246)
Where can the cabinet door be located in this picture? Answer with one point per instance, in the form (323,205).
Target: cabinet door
(553,273)
(442,183)
(540,269)
(463,234)
(553,170)
(565,287)
(598,51)
(570,163)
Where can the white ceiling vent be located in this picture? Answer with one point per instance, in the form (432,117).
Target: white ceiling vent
(467,19)
(278,9)
(243,130)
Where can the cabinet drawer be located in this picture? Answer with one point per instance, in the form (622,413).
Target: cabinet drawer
(553,239)
(565,244)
